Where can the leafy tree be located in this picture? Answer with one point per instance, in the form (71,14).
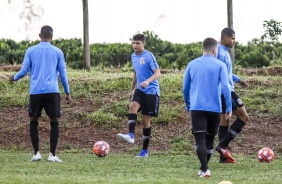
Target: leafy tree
(272,32)
(31,14)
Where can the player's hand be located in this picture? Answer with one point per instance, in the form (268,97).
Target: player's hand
(11,78)
(243,83)
(228,116)
(144,84)
(68,99)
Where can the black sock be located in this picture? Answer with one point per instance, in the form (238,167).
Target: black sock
(54,136)
(209,145)
(146,137)
(222,131)
(201,150)
(209,154)
(132,118)
(33,132)
(234,130)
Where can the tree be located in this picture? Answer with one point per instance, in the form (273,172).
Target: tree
(272,32)
(31,14)
(86,35)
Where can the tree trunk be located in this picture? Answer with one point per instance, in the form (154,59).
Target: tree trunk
(230,24)
(86,35)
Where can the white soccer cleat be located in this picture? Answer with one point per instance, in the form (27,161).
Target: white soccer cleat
(206,174)
(200,172)
(52,158)
(36,157)
(126,137)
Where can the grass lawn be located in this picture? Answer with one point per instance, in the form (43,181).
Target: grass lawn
(116,168)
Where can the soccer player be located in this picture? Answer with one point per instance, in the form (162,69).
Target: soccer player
(225,133)
(144,92)
(204,79)
(44,62)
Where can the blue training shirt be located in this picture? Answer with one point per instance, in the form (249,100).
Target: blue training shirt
(44,62)
(224,56)
(144,66)
(204,79)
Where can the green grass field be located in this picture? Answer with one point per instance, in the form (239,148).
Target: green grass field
(167,167)
(157,168)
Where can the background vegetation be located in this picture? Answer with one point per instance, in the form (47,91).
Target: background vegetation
(99,107)
(257,53)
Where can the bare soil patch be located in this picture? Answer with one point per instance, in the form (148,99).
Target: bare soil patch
(77,132)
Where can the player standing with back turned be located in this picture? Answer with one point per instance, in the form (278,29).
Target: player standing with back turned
(204,77)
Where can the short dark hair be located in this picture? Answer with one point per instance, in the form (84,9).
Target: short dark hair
(139,37)
(227,32)
(209,44)
(46,31)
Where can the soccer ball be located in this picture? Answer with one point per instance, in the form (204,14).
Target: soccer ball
(225,182)
(101,148)
(265,155)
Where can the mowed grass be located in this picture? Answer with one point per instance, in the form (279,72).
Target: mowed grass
(157,168)
(262,99)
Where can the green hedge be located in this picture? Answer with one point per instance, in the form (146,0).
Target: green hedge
(169,55)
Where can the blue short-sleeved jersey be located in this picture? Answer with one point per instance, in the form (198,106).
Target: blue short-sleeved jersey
(144,66)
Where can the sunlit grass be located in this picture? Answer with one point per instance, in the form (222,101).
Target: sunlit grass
(117,168)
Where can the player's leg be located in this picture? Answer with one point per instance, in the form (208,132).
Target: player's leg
(242,118)
(134,107)
(34,109)
(212,128)
(236,127)
(199,127)
(223,127)
(146,119)
(150,109)
(53,110)
(224,124)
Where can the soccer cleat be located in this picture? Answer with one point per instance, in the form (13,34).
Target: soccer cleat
(126,137)
(36,157)
(143,153)
(52,158)
(200,172)
(227,161)
(224,152)
(205,174)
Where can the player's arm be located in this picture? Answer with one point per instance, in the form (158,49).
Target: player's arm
(225,88)
(237,79)
(24,69)
(156,75)
(157,72)
(186,88)
(63,76)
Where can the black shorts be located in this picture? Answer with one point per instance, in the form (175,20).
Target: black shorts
(149,103)
(51,103)
(205,121)
(236,102)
